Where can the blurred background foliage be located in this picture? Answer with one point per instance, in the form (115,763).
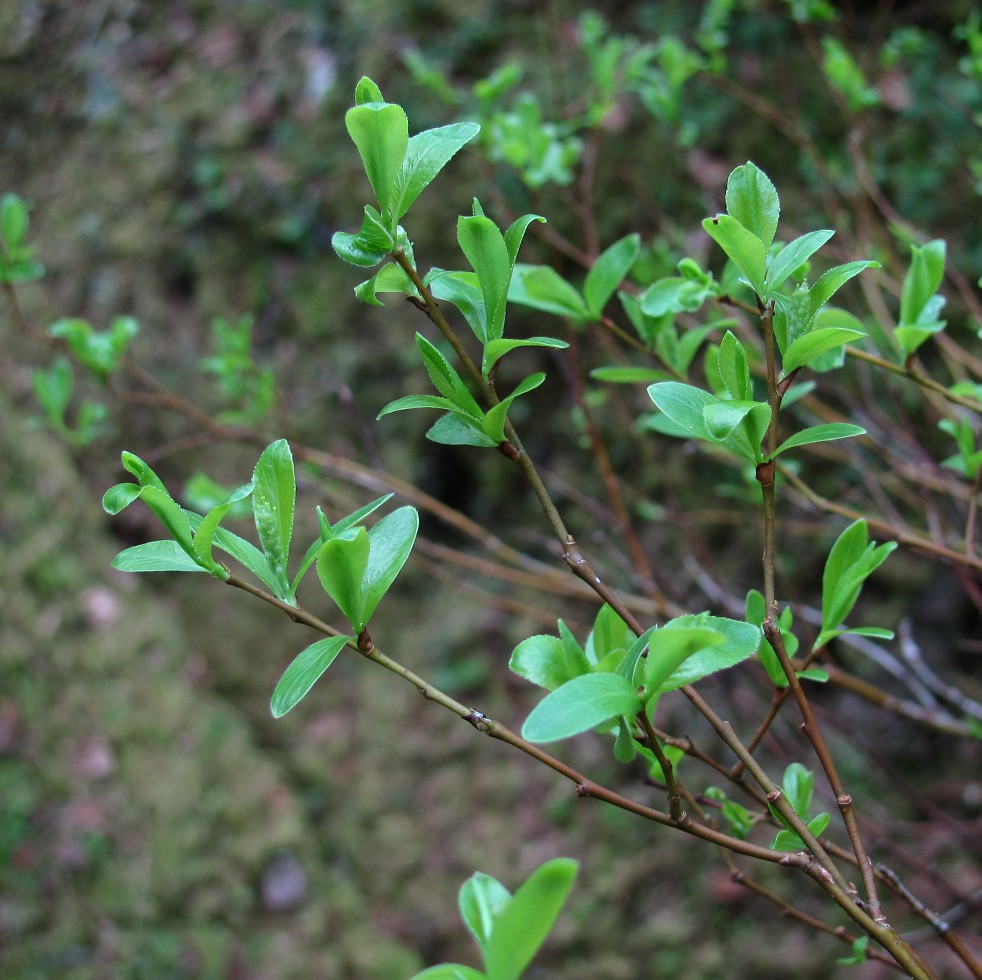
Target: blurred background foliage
(187,164)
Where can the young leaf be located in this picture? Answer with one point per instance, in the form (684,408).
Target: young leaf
(544,661)
(669,647)
(408,402)
(369,247)
(381,133)
(273,504)
(463,290)
(794,255)
(627,668)
(741,641)
(391,541)
(579,705)
(367,91)
(13,221)
(494,420)
(244,552)
(391,278)
(427,153)
(851,561)
(494,350)
(734,371)
(484,245)
(540,287)
(684,405)
(445,378)
(828,432)
(341,564)
(814,344)
(481,900)
(627,375)
(798,783)
(205,533)
(922,281)
(752,200)
(356,517)
(456,429)
(523,924)
(156,556)
(304,672)
(829,283)
(744,249)
(450,971)
(607,273)
(674,294)
(738,425)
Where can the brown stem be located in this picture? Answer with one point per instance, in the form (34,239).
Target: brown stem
(584,787)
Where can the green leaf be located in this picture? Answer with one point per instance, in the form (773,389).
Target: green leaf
(381,133)
(427,153)
(752,200)
(922,281)
(244,552)
(673,294)
(455,429)
(356,517)
(816,343)
(463,290)
(794,255)
(450,971)
(156,556)
(204,537)
(628,666)
(341,564)
(744,249)
(367,91)
(13,221)
(545,660)
(819,433)
(369,247)
(684,405)
(99,351)
(408,402)
(851,561)
(170,514)
(669,647)
(734,371)
(494,420)
(304,672)
(741,641)
(739,425)
(273,504)
(607,273)
(829,283)
(53,389)
(627,375)
(540,287)
(391,278)
(481,900)
(579,705)
(445,378)
(496,349)
(858,953)
(484,245)
(798,783)
(329,531)
(516,234)
(391,541)
(522,926)
(609,637)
